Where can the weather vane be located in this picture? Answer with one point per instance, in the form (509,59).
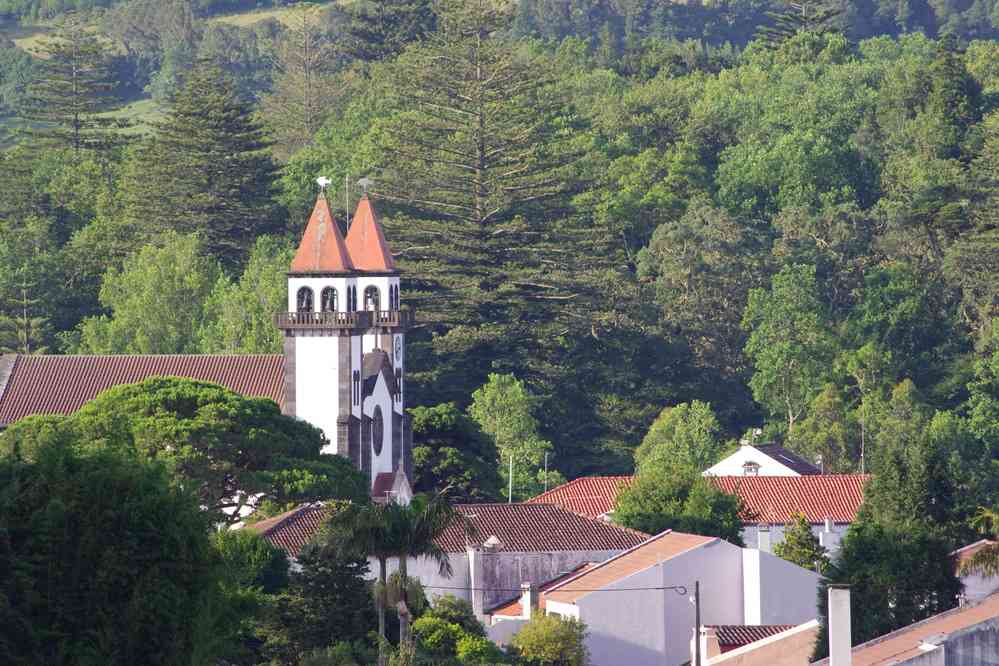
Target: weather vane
(366,183)
(324,182)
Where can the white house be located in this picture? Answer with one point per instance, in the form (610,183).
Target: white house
(762,460)
(638,606)
(976,586)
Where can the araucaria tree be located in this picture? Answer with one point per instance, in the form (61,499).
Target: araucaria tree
(206,170)
(476,162)
(74,86)
(801,546)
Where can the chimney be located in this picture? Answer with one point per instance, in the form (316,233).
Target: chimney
(528,600)
(476,574)
(763,538)
(829,539)
(709,643)
(840,637)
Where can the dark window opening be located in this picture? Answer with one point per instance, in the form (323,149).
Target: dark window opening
(304,300)
(328,300)
(377,430)
(371,299)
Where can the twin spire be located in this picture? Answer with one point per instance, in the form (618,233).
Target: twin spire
(324,249)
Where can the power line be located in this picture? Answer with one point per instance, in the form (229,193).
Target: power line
(679,589)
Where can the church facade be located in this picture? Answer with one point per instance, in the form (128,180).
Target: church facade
(342,366)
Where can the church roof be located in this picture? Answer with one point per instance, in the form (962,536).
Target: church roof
(323,249)
(376,362)
(62,384)
(365,241)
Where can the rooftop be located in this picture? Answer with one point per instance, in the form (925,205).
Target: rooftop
(772,499)
(732,636)
(590,496)
(365,241)
(531,528)
(788,458)
(322,249)
(651,552)
(293,529)
(62,384)
(905,643)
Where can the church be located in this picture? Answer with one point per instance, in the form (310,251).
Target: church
(342,366)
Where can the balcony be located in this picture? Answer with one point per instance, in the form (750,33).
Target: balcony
(345,320)
(313,320)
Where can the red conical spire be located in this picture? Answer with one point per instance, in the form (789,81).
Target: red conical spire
(365,241)
(322,249)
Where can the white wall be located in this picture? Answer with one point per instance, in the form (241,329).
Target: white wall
(380,397)
(639,627)
(776,591)
(977,587)
(317,392)
(733,465)
(750,535)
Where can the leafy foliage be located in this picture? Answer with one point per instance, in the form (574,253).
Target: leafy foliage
(685,437)
(549,639)
(145,544)
(801,546)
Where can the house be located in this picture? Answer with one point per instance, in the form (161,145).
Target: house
(762,460)
(506,546)
(342,368)
(764,645)
(637,605)
(966,635)
(976,586)
(829,502)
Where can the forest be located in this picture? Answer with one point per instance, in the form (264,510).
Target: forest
(795,225)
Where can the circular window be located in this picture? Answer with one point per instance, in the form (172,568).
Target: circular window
(377,430)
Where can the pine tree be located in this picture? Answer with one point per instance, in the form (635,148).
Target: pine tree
(801,546)
(74,86)
(478,162)
(206,170)
(798,16)
(380,29)
(23,330)
(304,89)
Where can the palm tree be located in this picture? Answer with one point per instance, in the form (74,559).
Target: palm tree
(369,529)
(986,561)
(420,526)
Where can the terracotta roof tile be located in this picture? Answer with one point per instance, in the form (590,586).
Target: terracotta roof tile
(776,499)
(365,241)
(537,528)
(590,496)
(323,249)
(651,552)
(731,636)
(772,499)
(901,645)
(62,384)
(293,529)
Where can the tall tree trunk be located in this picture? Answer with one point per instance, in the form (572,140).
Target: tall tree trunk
(404,607)
(380,606)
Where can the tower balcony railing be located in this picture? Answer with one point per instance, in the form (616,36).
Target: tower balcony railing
(324,320)
(392,318)
(360,319)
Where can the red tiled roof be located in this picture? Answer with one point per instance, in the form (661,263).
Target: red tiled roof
(536,528)
(323,249)
(774,499)
(902,645)
(293,529)
(515,609)
(590,496)
(62,384)
(365,241)
(731,636)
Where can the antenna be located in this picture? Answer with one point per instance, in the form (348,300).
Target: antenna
(346,197)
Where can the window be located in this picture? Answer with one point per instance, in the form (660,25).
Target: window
(357,387)
(371,299)
(377,430)
(328,299)
(304,300)
(394,297)
(351,299)
(750,468)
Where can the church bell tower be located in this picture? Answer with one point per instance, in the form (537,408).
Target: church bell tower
(344,346)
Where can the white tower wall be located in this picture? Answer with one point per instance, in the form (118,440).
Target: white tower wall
(317,373)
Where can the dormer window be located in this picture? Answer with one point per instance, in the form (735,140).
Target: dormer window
(328,300)
(750,468)
(304,300)
(371,299)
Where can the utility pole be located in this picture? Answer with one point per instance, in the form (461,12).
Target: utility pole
(546,471)
(509,493)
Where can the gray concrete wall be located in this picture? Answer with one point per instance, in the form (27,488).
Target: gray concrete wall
(785,593)
(653,627)
(750,535)
(974,646)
